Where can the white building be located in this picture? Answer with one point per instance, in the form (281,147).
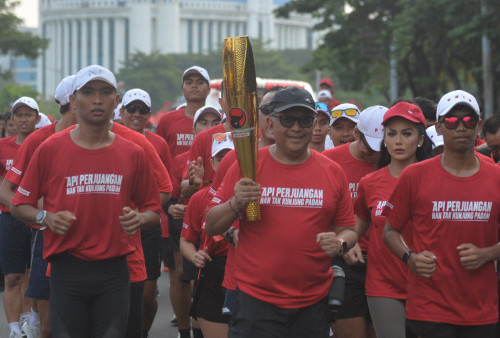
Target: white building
(105,32)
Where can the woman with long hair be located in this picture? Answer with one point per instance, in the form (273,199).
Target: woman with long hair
(405,142)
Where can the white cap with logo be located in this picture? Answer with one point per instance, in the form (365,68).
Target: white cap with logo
(453,98)
(44,121)
(91,73)
(136,94)
(196,70)
(26,101)
(64,90)
(204,110)
(221,141)
(324,94)
(370,124)
(437,140)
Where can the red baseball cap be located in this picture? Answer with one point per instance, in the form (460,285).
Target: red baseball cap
(405,110)
(327,82)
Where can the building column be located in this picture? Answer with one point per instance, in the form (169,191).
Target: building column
(196,38)
(205,32)
(119,42)
(105,43)
(94,38)
(216,44)
(74,46)
(83,42)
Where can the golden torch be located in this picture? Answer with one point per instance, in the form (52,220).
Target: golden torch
(240,90)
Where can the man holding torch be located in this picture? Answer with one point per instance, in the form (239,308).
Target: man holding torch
(282,261)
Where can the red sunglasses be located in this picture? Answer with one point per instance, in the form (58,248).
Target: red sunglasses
(452,122)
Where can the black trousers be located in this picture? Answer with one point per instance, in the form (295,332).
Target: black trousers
(89,298)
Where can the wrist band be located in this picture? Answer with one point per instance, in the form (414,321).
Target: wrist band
(233,209)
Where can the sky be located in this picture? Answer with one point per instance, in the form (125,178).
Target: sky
(28,11)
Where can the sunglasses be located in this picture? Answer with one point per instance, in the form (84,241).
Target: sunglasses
(452,122)
(289,121)
(347,112)
(143,110)
(321,106)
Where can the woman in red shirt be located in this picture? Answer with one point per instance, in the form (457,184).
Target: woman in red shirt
(405,142)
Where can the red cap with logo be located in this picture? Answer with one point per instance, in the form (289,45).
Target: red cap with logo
(405,110)
(326,81)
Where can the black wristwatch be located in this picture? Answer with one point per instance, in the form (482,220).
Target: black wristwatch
(229,235)
(406,256)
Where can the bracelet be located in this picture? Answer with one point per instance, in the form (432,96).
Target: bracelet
(233,209)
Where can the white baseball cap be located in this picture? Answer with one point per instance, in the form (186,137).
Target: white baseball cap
(117,115)
(136,94)
(324,94)
(437,140)
(370,124)
(26,101)
(64,90)
(451,99)
(221,141)
(44,121)
(204,110)
(196,70)
(343,107)
(93,72)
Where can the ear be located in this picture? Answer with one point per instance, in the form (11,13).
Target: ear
(356,133)
(117,100)
(121,112)
(479,125)
(421,140)
(270,122)
(38,118)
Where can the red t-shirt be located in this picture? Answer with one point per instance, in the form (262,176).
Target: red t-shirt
(445,211)
(163,151)
(8,150)
(202,147)
(220,174)
(278,259)
(23,156)
(93,184)
(386,275)
(177,129)
(180,163)
(194,225)
(354,170)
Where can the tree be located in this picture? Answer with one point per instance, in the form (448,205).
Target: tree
(10,93)
(437,43)
(12,40)
(160,75)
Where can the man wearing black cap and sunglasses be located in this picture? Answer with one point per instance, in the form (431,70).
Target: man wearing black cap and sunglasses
(283,260)
(452,290)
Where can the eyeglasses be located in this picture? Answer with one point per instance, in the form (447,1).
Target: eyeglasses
(321,106)
(289,121)
(143,110)
(348,112)
(452,122)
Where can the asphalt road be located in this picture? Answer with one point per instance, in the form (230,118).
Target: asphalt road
(161,326)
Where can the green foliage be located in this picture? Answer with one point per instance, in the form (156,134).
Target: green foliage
(11,39)
(437,43)
(10,93)
(160,75)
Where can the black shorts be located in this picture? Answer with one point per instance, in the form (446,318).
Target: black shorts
(15,245)
(208,293)
(355,304)
(151,242)
(167,255)
(255,318)
(174,232)
(444,330)
(189,270)
(38,285)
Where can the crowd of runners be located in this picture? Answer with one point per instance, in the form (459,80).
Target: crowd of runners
(400,202)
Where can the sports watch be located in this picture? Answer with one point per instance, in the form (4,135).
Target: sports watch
(406,256)
(343,247)
(40,217)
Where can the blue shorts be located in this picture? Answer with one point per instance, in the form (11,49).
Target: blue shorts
(38,286)
(15,244)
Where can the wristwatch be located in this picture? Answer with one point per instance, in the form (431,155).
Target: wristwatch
(343,247)
(229,235)
(406,256)
(40,217)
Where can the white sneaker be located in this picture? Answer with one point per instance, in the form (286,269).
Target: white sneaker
(31,331)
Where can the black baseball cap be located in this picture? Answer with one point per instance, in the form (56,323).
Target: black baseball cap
(292,97)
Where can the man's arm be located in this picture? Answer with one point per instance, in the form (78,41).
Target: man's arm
(330,242)
(354,255)
(133,220)
(423,263)
(221,216)
(58,222)
(7,190)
